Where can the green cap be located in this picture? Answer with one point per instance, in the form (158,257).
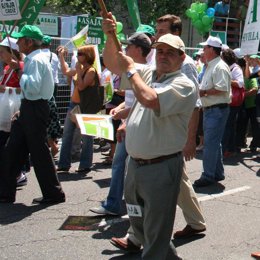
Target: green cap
(145,28)
(30,31)
(255,56)
(46,40)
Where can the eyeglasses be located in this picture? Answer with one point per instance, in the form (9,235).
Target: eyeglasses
(80,54)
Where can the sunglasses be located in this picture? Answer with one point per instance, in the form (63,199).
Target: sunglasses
(80,54)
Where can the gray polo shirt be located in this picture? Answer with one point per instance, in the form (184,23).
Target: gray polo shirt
(152,133)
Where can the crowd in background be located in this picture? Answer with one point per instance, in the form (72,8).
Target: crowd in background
(30,66)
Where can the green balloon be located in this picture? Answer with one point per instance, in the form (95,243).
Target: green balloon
(206,20)
(121,36)
(194,16)
(207,28)
(119,27)
(203,7)
(198,25)
(188,13)
(195,6)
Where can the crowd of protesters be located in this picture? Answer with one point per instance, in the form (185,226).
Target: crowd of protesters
(161,92)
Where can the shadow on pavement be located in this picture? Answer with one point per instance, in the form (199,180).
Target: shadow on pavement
(103,183)
(66,176)
(212,189)
(12,213)
(126,256)
(100,166)
(115,227)
(179,242)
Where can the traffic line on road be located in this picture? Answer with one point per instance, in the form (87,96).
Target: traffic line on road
(225,193)
(110,222)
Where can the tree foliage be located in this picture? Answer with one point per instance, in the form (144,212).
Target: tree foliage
(149,9)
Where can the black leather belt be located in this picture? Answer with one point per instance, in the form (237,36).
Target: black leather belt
(222,105)
(33,101)
(143,162)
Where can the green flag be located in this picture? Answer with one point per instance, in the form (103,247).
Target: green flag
(29,14)
(134,12)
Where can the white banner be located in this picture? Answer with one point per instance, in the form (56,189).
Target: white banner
(48,24)
(251,33)
(9,10)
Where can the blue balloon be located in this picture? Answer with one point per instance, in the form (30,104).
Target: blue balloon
(210,12)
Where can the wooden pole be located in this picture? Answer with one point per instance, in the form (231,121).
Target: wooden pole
(104,15)
(22,10)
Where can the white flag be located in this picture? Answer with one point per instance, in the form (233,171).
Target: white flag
(80,38)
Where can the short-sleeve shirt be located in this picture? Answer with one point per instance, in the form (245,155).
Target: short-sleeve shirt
(151,133)
(237,74)
(250,84)
(217,76)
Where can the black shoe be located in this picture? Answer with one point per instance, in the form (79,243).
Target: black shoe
(83,170)
(62,169)
(4,199)
(48,200)
(202,183)
(220,179)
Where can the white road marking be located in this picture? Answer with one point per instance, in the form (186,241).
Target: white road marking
(110,222)
(225,193)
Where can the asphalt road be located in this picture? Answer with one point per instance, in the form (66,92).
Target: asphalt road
(232,212)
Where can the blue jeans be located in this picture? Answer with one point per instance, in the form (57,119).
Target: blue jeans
(86,156)
(114,198)
(214,122)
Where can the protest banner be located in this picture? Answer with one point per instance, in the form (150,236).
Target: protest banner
(95,32)
(251,33)
(29,10)
(96,125)
(9,10)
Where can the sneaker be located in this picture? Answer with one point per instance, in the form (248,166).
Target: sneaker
(102,211)
(21,181)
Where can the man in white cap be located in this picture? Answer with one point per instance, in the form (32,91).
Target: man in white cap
(165,99)
(215,97)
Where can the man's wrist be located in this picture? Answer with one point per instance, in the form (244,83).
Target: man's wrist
(130,72)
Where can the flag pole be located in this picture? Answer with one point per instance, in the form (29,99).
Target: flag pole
(105,15)
(22,10)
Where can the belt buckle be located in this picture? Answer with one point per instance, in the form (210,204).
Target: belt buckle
(141,162)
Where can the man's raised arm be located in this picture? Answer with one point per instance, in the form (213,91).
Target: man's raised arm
(110,51)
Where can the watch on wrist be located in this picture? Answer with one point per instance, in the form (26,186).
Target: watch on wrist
(131,73)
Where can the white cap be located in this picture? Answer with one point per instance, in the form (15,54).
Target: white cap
(225,47)
(238,54)
(212,41)
(12,44)
(172,40)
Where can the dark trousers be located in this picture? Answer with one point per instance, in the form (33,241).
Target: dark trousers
(246,115)
(229,137)
(29,135)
